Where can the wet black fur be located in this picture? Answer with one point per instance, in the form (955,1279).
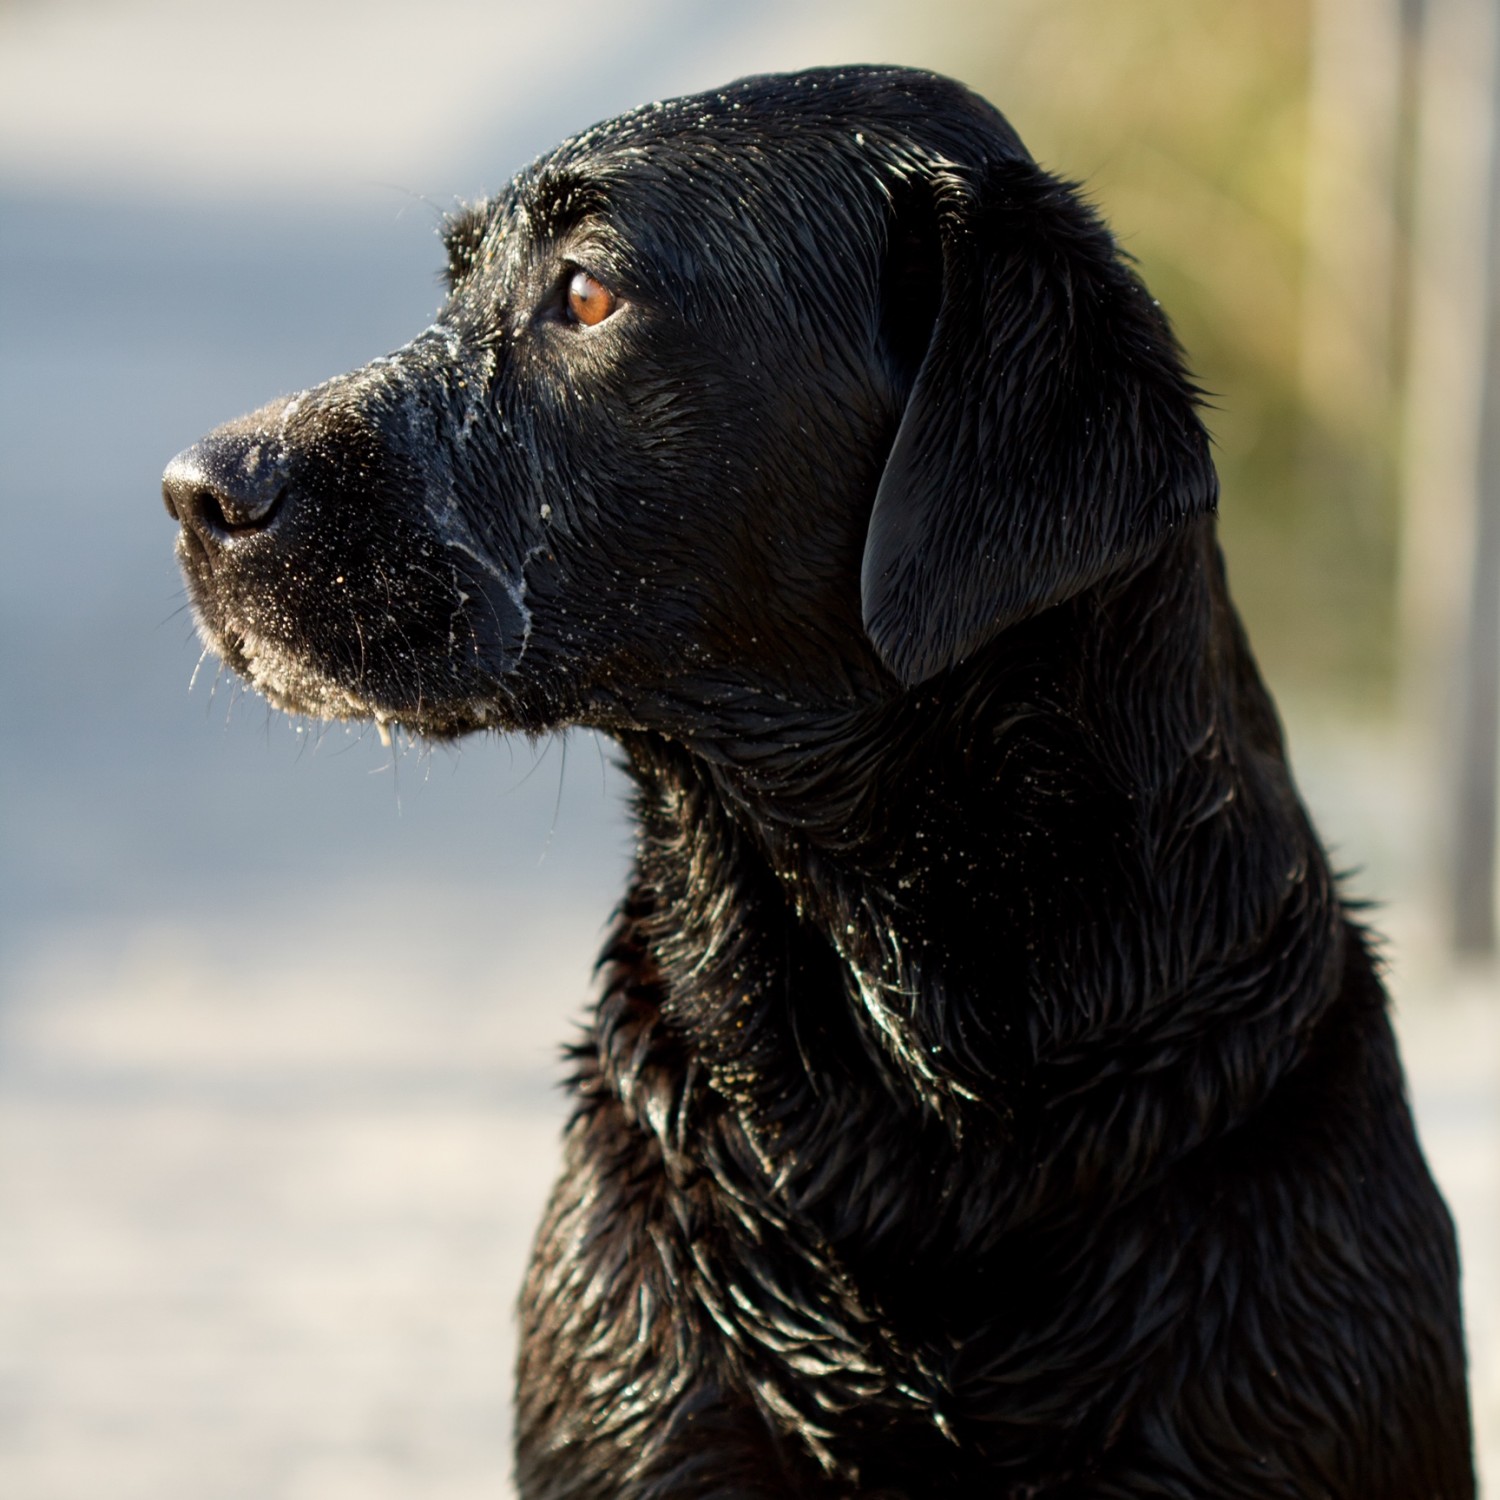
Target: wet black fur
(988,1094)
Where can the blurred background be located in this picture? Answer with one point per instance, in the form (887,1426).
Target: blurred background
(280,1008)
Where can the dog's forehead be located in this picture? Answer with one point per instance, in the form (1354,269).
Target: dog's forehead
(760,135)
(894,105)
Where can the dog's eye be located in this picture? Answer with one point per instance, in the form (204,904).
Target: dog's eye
(589,301)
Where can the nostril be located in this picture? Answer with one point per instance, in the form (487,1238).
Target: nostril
(247,509)
(216,495)
(207,508)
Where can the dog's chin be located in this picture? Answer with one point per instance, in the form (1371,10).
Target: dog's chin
(290,681)
(287,680)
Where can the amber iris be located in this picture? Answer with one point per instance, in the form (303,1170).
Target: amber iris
(588,301)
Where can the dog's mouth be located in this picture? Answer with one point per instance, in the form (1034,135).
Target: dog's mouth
(318,639)
(377,679)
(287,680)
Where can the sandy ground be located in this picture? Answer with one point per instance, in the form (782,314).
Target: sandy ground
(264,1207)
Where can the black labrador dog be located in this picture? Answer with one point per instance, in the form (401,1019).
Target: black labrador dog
(988,1093)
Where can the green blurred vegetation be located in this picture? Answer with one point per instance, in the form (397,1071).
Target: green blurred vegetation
(1187,123)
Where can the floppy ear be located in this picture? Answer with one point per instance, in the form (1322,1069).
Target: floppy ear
(1050,436)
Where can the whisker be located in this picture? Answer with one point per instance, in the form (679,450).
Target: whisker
(198,667)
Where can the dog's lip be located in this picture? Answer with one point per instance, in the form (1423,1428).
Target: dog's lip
(292,681)
(193,555)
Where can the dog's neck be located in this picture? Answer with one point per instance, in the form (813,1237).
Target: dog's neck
(1002,891)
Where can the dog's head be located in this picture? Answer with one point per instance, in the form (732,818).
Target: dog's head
(818,381)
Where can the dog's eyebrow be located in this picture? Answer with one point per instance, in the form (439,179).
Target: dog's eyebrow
(557,201)
(462,232)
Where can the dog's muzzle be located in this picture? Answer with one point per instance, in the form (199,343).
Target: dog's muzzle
(330,564)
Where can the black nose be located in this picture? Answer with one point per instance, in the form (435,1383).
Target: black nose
(232,484)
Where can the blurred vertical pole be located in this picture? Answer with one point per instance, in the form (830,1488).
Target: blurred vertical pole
(1479,687)
(1348,300)
(1440,556)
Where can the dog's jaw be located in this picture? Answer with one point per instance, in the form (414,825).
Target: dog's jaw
(292,682)
(284,678)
